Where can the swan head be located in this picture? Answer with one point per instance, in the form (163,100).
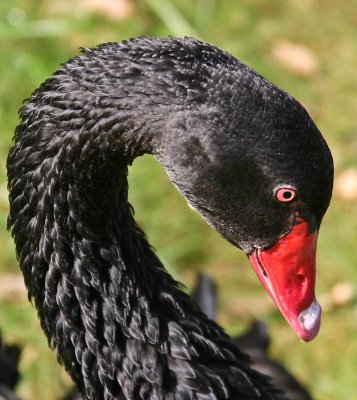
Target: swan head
(259,172)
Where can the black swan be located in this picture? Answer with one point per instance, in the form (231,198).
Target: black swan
(255,342)
(245,155)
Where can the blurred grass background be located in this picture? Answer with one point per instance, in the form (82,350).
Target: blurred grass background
(307,47)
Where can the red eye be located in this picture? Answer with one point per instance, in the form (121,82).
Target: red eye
(285,195)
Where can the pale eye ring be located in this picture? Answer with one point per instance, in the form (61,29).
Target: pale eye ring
(285,194)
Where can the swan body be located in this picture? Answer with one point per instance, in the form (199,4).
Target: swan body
(255,342)
(120,325)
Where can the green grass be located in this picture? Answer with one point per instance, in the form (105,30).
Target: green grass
(34,48)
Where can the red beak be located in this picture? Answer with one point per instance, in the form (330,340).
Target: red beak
(287,270)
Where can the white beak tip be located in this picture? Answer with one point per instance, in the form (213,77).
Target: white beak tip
(310,320)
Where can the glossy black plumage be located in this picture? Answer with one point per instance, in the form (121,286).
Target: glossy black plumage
(120,325)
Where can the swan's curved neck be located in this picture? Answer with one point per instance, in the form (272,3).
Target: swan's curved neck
(119,323)
(101,293)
